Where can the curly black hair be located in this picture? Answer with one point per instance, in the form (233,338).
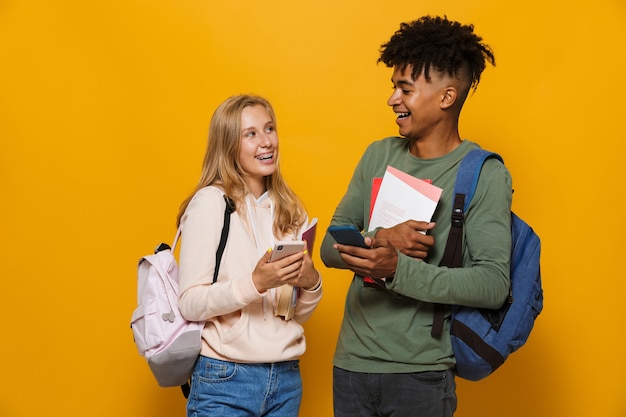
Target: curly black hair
(439,43)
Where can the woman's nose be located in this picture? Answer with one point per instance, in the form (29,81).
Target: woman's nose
(266,142)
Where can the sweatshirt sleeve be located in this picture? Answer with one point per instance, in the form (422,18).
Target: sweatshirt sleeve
(307,303)
(307,300)
(483,281)
(199,300)
(350,211)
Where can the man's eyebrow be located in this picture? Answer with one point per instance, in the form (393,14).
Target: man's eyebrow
(402,81)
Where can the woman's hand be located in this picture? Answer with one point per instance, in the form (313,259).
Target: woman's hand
(308,278)
(268,274)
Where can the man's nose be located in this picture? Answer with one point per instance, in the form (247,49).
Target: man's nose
(394,98)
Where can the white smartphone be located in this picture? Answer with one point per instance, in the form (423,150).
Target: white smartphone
(284,248)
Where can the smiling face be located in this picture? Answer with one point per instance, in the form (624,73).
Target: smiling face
(417,103)
(258,152)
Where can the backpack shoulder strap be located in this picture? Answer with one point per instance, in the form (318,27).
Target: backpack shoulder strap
(469,172)
(230,208)
(464,189)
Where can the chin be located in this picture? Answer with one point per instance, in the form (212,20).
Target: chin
(269,172)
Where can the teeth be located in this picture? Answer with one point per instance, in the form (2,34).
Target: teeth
(401,115)
(266,156)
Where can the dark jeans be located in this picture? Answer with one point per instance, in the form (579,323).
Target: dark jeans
(418,394)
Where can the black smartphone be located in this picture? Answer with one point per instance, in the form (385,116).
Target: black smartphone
(347,235)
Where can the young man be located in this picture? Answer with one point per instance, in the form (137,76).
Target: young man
(386,360)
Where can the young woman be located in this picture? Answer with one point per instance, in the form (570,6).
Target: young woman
(248,365)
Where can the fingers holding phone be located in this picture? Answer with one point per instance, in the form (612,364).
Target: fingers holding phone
(375,260)
(279,266)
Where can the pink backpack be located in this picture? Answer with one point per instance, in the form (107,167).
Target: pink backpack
(169,343)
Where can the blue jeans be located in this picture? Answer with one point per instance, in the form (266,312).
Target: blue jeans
(220,388)
(417,394)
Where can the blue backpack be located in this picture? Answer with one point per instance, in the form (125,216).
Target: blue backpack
(482,339)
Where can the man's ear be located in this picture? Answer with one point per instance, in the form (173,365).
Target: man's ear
(449,97)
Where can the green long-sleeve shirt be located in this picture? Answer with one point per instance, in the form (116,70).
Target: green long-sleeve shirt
(385,333)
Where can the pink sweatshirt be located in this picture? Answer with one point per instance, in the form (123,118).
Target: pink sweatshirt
(240,322)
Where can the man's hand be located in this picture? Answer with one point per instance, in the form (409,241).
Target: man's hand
(377,262)
(405,237)
(381,259)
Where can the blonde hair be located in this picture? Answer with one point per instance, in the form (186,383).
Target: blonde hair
(221,166)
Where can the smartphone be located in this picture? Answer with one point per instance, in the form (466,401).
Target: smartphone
(285,248)
(347,235)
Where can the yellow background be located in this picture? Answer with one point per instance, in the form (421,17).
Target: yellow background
(104,109)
